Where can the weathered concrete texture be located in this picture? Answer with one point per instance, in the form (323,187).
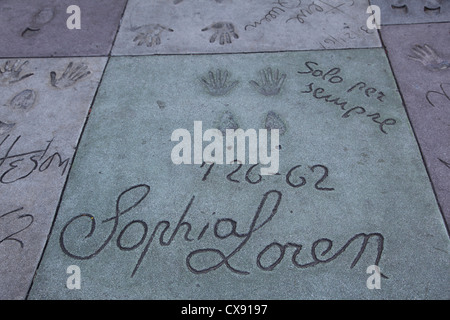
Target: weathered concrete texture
(421,62)
(351,192)
(208,26)
(41,118)
(38,28)
(413,11)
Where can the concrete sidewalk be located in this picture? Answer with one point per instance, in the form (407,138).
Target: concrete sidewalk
(117,181)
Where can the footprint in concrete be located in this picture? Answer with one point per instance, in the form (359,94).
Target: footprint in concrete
(6,127)
(400,6)
(274,121)
(432,7)
(39,19)
(23,100)
(227,121)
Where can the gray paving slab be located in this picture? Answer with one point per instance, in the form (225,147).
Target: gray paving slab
(38,28)
(351,189)
(43,107)
(205,26)
(421,63)
(413,11)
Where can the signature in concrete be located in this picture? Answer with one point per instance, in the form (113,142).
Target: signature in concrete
(320,94)
(440,98)
(333,77)
(445,163)
(12,223)
(207,257)
(19,166)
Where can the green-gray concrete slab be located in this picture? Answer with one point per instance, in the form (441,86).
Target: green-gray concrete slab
(351,191)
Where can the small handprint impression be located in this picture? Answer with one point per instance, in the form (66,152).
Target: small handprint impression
(224,30)
(10,72)
(217,84)
(429,58)
(149,34)
(270,83)
(71,75)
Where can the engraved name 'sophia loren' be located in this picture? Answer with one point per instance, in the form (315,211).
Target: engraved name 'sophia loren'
(207,259)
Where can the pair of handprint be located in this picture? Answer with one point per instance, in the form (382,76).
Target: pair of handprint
(150,34)
(270,82)
(10,73)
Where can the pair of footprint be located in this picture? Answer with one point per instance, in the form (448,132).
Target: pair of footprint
(429,6)
(271,121)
